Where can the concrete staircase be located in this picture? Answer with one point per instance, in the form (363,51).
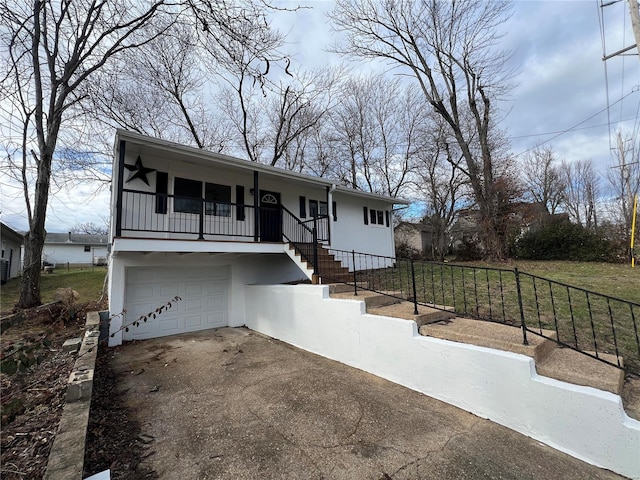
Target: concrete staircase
(551,360)
(328,266)
(389,305)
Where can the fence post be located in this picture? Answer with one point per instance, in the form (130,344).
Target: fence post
(314,232)
(355,281)
(415,296)
(522,321)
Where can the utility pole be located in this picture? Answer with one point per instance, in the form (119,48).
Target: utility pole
(634,10)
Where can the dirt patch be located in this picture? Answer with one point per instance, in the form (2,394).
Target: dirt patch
(114,438)
(33,381)
(631,396)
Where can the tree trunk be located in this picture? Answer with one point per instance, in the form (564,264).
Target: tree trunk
(34,241)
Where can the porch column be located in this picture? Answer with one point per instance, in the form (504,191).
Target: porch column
(256,207)
(330,211)
(119,188)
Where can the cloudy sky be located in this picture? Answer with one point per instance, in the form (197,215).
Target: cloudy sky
(560,95)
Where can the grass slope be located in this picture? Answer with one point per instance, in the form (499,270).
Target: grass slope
(86,282)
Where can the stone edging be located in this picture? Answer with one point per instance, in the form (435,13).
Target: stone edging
(66,459)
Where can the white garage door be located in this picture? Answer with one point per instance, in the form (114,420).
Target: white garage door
(204,293)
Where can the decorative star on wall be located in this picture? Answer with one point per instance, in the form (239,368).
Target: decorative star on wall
(138,171)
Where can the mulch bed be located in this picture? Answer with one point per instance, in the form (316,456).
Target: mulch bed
(34,381)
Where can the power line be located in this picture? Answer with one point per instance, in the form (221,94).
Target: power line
(574,127)
(581,128)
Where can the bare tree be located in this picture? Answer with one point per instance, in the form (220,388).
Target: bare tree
(582,192)
(379,129)
(52,49)
(91,228)
(543,180)
(160,89)
(624,180)
(450,50)
(441,184)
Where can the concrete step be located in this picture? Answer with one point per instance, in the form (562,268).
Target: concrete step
(344,288)
(406,310)
(573,367)
(551,361)
(491,335)
(371,299)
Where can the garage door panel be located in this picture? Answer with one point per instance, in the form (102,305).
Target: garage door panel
(170,291)
(142,291)
(195,288)
(191,321)
(217,320)
(191,303)
(204,294)
(169,325)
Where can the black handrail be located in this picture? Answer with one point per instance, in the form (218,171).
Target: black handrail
(600,326)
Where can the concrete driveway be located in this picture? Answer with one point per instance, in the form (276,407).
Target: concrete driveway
(232,404)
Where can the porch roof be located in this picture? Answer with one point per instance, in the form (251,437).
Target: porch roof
(159,146)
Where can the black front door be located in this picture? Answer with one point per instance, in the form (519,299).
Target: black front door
(270,217)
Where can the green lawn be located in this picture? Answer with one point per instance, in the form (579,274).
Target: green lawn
(86,282)
(616,280)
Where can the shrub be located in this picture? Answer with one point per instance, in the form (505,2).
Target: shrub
(469,250)
(563,240)
(404,250)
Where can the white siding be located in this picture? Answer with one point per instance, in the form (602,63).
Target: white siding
(349,232)
(60,253)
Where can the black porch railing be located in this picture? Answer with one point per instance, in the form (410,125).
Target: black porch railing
(165,213)
(589,322)
(306,235)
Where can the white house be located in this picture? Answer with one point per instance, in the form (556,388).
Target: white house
(10,259)
(200,225)
(75,248)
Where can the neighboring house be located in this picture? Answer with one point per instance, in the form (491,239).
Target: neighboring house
(416,236)
(11,246)
(523,216)
(199,225)
(75,248)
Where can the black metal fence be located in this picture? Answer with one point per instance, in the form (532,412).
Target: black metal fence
(598,325)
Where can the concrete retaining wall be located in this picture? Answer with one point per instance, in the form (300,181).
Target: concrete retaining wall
(66,459)
(586,423)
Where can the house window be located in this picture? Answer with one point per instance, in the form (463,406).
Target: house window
(376,217)
(87,248)
(303,207)
(318,209)
(188,195)
(365,210)
(218,198)
(313,208)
